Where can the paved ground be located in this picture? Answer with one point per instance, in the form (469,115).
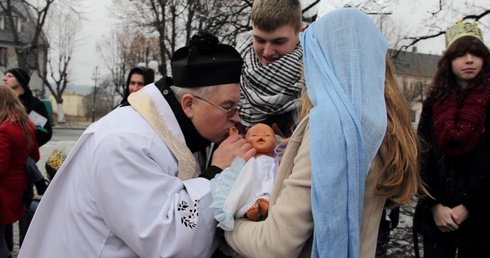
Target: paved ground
(45,151)
(401,243)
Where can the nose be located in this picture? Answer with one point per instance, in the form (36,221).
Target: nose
(235,118)
(469,58)
(268,50)
(4,78)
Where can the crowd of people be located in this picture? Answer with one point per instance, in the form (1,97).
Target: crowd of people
(324,146)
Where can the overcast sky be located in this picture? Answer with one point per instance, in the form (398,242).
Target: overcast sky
(85,58)
(408,15)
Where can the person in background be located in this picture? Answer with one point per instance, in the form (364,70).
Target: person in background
(455,165)
(271,77)
(131,186)
(138,77)
(388,222)
(18,80)
(343,155)
(17,143)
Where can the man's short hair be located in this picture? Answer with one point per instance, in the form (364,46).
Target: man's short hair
(268,15)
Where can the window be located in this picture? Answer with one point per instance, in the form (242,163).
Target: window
(7,23)
(3,56)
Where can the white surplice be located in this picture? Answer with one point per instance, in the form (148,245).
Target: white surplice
(118,195)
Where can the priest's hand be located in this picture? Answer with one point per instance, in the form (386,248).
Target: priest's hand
(232,147)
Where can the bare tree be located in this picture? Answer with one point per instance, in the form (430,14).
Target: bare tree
(28,41)
(26,45)
(102,105)
(148,17)
(444,15)
(123,49)
(112,48)
(62,29)
(175,21)
(106,96)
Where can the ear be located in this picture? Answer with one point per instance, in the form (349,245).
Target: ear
(187,105)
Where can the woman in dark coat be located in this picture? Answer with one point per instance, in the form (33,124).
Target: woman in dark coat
(455,130)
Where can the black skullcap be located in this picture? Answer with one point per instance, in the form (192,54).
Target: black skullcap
(22,77)
(206,62)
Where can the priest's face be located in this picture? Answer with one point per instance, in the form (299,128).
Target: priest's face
(213,115)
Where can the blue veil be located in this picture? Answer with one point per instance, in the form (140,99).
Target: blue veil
(344,62)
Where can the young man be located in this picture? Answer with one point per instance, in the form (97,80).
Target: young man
(271,77)
(128,188)
(138,77)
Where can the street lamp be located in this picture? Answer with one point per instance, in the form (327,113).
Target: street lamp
(94,77)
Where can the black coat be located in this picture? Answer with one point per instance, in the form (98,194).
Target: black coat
(32,103)
(454,180)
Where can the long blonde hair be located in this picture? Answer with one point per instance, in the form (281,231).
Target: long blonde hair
(12,111)
(399,177)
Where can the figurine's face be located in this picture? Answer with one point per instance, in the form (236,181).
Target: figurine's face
(262,138)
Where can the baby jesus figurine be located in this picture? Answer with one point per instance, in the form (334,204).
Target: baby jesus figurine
(244,189)
(263,140)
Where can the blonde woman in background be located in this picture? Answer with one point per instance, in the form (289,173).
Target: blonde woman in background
(17,143)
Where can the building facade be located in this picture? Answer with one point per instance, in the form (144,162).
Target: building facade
(24,24)
(414,72)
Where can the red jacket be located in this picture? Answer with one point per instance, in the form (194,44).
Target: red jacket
(13,158)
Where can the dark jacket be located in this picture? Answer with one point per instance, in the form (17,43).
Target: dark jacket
(454,180)
(32,103)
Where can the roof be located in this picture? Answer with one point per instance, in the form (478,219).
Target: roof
(414,64)
(28,24)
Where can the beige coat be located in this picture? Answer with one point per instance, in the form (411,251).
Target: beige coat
(288,230)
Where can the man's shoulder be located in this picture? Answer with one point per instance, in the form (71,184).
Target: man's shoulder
(32,103)
(243,41)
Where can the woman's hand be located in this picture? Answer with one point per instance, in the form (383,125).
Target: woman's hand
(443,216)
(460,214)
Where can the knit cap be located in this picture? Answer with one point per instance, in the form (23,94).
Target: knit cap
(22,77)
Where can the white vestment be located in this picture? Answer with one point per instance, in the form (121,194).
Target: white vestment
(118,195)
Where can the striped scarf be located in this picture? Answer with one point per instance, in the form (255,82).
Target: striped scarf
(268,90)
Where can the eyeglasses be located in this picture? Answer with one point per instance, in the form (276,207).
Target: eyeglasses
(229,112)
